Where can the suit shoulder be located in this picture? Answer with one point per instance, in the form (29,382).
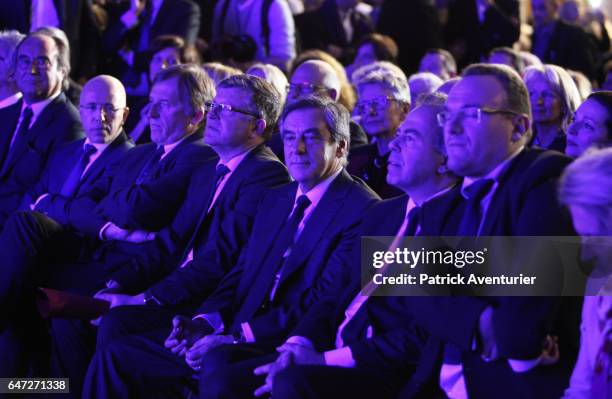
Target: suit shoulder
(360,191)
(537,164)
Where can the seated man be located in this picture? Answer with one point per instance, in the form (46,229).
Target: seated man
(41,122)
(74,169)
(384,101)
(297,251)
(343,358)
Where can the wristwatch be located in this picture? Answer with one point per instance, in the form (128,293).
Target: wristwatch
(149,299)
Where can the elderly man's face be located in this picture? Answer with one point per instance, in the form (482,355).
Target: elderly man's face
(230,128)
(310,154)
(380,113)
(477,136)
(168,117)
(37,71)
(102,110)
(307,80)
(415,155)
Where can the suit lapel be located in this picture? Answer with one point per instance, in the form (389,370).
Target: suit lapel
(102,161)
(9,117)
(318,224)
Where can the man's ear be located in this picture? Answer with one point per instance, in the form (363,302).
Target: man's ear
(521,125)
(198,117)
(342,149)
(443,166)
(260,127)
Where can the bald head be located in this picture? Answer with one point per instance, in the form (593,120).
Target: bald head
(103,108)
(314,76)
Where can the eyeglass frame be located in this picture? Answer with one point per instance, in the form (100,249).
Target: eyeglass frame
(24,62)
(442,120)
(210,107)
(388,100)
(311,87)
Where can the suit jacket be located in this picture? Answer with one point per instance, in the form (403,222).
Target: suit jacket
(150,205)
(175,17)
(317,263)
(320,28)
(217,237)
(365,163)
(60,166)
(57,124)
(572,48)
(524,204)
(500,27)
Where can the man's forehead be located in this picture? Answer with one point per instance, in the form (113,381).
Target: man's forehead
(477,90)
(236,96)
(304,119)
(38,44)
(307,74)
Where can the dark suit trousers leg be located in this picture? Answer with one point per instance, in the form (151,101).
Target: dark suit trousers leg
(227,371)
(137,367)
(333,382)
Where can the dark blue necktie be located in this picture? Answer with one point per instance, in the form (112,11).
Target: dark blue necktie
(475,192)
(151,166)
(74,178)
(414,220)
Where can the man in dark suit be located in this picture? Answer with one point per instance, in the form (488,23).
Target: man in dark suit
(485,347)
(37,125)
(298,250)
(384,101)
(72,170)
(133,26)
(556,42)
(351,348)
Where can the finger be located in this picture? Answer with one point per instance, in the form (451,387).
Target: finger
(262,369)
(180,346)
(262,390)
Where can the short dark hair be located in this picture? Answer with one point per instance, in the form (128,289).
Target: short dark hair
(337,117)
(448,61)
(384,46)
(264,97)
(604,98)
(194,86)
(515,57)
(187,53)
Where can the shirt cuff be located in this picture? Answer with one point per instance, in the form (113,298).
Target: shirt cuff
(342,357)
(102,230)
(129,19)
(299,340)
(39,199)
(248,333)
(215,321)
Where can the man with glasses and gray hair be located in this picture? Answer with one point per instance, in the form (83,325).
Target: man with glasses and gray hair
(9,94)
(384,102)
(39,123)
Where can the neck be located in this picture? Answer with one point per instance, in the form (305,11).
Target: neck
(546,133)
(7,90)
(227,154)
(423,192)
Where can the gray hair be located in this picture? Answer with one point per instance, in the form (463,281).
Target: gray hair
(337,117)
(274,76)
(194,86)
(564,85)
(395,82)
(386,66)
(264,97)
(587,182)
(63,47)
(10,39)
(423,83)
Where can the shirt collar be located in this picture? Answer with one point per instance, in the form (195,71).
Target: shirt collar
(38,107)
(169,147)
(411,204)
(100,147)
(233,163)
(317,192)
(494,174)
(10,100)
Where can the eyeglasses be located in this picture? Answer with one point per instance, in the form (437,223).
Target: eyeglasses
(92,108)
(304,88)
(470,114)
(42,63)
(214,108)
(376,104)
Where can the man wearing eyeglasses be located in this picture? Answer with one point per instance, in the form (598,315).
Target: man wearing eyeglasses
(384,101)
(40,123)
(483,347)
(297,251)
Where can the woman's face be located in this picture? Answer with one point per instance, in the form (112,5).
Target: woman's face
(546,102)
(588,128)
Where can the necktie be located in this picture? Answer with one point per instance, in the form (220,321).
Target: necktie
(414,221)
(151,166)
(19,136)
(470,222)
(220,172)
(74,178)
